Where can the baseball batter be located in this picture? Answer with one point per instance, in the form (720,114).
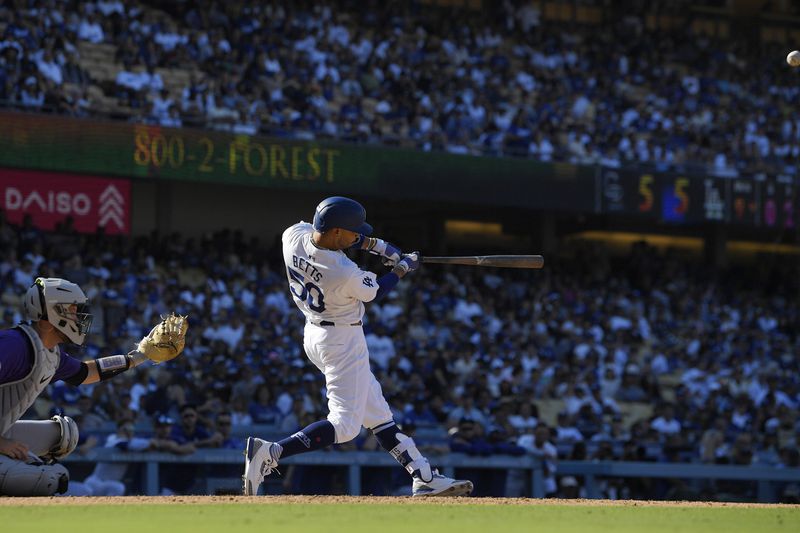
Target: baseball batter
(56,311)
(331,291)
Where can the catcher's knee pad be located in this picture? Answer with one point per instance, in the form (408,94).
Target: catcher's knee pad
(69,437)
(21,479)
(346,428)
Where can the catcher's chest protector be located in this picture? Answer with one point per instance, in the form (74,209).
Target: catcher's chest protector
(16,397)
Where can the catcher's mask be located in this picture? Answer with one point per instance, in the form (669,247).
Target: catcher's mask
(62,303)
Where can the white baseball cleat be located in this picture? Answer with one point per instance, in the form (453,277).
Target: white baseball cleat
(260,459)
(441,486)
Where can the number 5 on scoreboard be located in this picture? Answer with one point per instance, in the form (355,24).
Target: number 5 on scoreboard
(683,197)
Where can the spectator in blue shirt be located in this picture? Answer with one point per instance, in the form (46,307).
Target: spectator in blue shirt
(224,425)
(189,430)
(263,410)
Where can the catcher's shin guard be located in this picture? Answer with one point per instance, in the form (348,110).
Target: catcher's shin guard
(18,478)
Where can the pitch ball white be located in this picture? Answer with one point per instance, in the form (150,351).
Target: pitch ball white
(793,58)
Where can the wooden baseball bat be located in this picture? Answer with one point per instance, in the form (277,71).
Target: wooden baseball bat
(500,261)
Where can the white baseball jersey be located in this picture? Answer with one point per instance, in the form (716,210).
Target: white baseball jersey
(325,284)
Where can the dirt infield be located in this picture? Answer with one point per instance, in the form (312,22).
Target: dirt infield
(270,500)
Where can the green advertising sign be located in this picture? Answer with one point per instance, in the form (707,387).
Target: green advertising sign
(120,149)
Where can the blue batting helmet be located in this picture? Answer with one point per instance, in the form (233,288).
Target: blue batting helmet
(341,212)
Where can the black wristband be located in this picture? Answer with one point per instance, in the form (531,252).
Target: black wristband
(80,376)
(110,366)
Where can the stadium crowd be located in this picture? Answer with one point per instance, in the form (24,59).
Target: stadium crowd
(647,357)
(496,81)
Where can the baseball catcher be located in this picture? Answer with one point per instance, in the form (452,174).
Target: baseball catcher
(57,311)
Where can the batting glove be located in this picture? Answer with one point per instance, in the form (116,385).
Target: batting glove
(409,263)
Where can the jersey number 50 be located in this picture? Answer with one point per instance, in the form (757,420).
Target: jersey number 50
(309,292)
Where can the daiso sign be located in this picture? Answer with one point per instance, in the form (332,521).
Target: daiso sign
(50,197)
(62,202)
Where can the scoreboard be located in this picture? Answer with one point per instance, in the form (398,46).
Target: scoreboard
(759,200)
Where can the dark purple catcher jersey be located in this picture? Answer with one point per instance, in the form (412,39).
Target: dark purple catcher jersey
(16,358)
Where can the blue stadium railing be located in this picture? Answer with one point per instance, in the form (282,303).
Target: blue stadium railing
(592,471)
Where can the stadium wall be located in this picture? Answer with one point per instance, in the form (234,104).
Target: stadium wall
(152,152)
(178,177)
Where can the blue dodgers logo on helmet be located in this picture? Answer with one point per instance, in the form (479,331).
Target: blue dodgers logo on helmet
(341,212)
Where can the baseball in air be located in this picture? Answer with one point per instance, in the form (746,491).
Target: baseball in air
(793,58)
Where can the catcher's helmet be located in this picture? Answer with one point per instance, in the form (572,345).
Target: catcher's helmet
(341,212)
(50,299)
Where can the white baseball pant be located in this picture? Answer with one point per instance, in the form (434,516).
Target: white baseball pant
(355,397)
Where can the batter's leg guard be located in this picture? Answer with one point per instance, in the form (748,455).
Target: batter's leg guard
(404,450)
(18,478)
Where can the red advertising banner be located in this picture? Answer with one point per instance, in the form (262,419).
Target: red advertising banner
(51,197)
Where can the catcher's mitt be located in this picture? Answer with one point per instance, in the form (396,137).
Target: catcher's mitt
(166,340)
